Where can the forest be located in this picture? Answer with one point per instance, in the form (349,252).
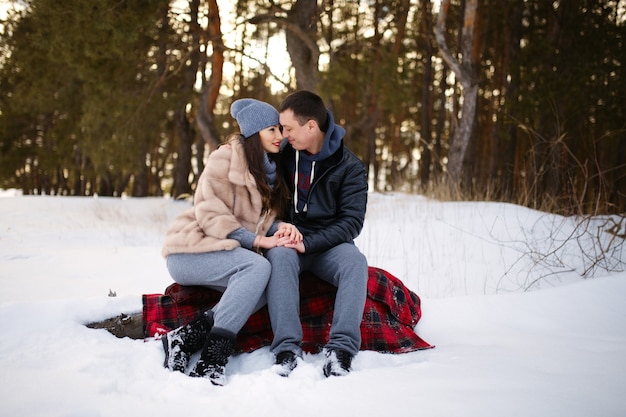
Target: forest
(520,101)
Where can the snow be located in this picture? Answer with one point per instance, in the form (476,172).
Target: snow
(519,330)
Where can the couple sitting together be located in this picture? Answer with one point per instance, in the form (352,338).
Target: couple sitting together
(261,216)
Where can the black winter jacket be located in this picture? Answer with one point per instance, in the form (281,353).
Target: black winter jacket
(336,202)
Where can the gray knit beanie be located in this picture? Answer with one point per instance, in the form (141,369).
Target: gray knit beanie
(253,115)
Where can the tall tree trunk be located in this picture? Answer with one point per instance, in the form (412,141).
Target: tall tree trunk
(183,126)
(211,87)
(427,80)
(465,73)
(441,121)
(511,79)
(301,43)
(301,36)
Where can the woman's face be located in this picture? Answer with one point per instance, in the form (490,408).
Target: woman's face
(271,138)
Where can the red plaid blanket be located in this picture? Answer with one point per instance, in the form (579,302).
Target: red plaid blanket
(390,315)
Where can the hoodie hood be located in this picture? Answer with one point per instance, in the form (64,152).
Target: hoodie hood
(305,169)
(332,140)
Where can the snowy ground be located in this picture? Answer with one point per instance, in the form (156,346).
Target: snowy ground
(518,331)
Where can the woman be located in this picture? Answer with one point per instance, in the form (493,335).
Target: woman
(218,242)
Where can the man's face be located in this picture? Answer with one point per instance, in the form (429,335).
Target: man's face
(301,138)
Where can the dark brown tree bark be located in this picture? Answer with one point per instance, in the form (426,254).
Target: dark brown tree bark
(510,80)
(211,87)
(427,81)
(184,129)
(465,72)
(302,47)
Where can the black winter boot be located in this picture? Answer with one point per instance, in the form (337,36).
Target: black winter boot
(286,361)
(214,357)
(338,362)
(181,343)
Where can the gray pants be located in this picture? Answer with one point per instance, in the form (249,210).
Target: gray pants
(345,267)
(240,274)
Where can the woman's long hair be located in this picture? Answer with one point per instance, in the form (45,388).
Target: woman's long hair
(276,199)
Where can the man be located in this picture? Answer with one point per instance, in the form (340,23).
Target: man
(328,186)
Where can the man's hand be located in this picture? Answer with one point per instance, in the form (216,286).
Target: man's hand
(290,231)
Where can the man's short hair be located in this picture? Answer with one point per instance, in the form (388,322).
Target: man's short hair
(305,106)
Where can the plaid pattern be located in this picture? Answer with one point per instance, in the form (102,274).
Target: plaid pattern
(390,315)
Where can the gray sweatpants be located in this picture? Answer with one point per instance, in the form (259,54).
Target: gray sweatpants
(240,274)
(345,267)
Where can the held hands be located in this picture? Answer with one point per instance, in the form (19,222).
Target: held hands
(287,235)
(298,247)
(290,231)
(292,234)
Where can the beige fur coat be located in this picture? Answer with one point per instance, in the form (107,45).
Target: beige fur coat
(226,199)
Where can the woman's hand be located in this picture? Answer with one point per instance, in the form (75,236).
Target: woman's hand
(269,242)
(287,235)
(297,246)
